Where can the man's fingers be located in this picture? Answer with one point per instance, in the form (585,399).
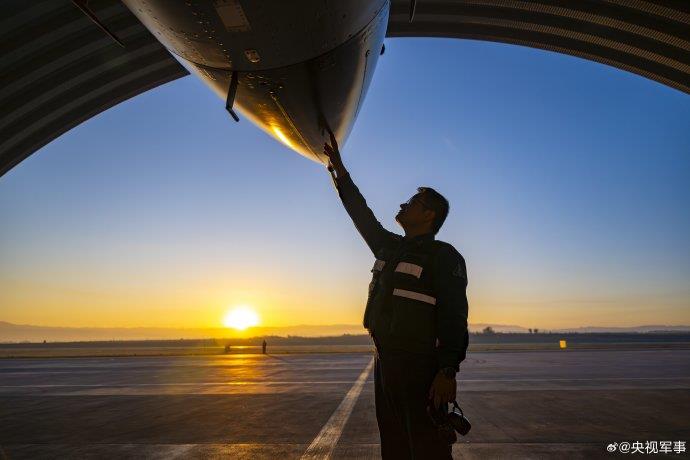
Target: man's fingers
(334,142)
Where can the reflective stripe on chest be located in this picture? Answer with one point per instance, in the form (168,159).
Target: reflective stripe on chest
(414,296)
(408,268)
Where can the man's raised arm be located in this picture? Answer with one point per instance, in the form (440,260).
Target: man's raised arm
(364,219)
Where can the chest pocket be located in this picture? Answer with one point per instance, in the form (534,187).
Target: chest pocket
(414,303)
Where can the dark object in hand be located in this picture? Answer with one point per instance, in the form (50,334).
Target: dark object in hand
(447,423)
(458,420)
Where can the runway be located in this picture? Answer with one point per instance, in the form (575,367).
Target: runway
(545,404)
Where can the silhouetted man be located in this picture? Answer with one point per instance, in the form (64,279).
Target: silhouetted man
(263,346)
(416,313)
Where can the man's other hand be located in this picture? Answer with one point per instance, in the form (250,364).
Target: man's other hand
(442,389)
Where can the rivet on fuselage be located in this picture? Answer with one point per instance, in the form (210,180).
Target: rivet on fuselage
(252,56)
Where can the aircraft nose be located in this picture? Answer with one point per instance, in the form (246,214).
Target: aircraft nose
(300,104)
(299,84)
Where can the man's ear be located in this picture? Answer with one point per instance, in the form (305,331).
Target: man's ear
(430,215)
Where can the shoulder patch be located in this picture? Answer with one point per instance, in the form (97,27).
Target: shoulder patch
(459,271)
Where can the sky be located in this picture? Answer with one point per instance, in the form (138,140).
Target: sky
(568,180)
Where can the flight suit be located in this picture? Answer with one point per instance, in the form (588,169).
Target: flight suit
(416,313)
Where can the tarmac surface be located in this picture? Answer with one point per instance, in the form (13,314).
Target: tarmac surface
(544,404)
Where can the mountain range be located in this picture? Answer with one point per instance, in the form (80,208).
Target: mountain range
(10,332)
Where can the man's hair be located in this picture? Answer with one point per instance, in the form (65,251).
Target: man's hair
(437,203)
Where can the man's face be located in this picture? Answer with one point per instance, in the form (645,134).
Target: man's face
(414,212)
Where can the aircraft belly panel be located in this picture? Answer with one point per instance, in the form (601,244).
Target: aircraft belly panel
(253,34)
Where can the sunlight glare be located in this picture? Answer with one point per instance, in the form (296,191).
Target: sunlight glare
(241,318)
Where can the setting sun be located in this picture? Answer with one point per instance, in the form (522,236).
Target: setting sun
(241,318)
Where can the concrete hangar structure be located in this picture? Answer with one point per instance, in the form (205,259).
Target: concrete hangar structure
(62,61)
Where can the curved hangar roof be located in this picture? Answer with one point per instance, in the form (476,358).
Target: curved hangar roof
(59,68)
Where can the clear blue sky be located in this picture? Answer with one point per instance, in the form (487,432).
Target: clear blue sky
(569,184)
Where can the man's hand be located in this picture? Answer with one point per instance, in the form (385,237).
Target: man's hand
(442,389)
(333,154)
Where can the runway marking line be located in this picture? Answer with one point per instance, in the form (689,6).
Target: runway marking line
(324,443)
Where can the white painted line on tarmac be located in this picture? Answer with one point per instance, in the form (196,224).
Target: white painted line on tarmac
(324,443)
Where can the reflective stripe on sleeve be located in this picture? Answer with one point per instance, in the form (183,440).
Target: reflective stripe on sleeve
(415,296)
(410,269)
(378,265)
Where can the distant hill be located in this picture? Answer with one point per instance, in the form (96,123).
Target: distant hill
(478,327)
(648,328)
(27,333)
(584,329)
(23,332)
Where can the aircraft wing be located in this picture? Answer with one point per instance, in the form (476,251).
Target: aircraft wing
(58,68)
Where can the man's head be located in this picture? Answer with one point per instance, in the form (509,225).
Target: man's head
(423,213)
